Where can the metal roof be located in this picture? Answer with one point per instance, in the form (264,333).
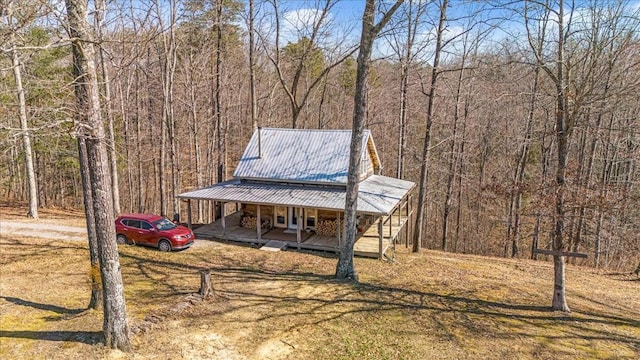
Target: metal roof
(378,195)
(299,155)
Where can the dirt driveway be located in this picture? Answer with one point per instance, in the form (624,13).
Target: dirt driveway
(47,230)
(32,228)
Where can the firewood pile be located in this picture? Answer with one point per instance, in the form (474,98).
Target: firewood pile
(249,222)
(327,227)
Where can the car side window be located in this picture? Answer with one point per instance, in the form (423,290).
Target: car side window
(132,223)
(146,225)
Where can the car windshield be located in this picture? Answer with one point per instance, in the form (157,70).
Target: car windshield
(164,224)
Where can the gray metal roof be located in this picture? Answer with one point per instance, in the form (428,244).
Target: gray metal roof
(377,194)
(298,155)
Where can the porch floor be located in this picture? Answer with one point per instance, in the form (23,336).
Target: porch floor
(367,243)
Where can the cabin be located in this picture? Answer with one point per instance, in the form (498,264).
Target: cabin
(288,190)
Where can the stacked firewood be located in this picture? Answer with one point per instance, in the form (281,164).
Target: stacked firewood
(327,227)
(248,222)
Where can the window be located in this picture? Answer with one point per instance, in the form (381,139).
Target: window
(311,222)
(164,224)
(280,214)
(311,215)
(364,163)
(146,225)
(132,223)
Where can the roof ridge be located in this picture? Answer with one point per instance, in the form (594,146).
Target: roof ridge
(315,130)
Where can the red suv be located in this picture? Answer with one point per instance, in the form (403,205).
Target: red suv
(152,230)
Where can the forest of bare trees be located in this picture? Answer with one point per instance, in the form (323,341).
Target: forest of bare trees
(518,120)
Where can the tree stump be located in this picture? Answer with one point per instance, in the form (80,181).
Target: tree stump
(206,289)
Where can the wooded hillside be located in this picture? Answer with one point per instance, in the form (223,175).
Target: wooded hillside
(185,82)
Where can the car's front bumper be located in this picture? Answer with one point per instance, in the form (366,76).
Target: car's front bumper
(179,246)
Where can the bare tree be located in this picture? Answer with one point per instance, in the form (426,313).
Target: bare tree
(345,268)
(95,302)
(22,106)
(99,15)
(115,326)
(403,45)
(252,66)
(426,151)
(562,128)
(292,80)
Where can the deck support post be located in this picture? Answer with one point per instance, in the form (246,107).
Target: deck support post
(223,207)
(380,225)
(338,230)
(409,230)
(407,223)
(298,214)
(258,223)
(399,221)
(189,214)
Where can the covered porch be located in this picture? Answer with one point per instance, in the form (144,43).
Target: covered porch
(308,216)
(376,240)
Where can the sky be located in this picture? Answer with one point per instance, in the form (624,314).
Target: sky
(346,16)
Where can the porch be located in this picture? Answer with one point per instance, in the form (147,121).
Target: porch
(376,239)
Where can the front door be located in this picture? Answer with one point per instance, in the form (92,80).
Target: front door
(293,217)
(281,217)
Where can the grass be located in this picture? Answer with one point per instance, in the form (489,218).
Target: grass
(286,305)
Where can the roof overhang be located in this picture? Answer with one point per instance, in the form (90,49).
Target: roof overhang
(377,195)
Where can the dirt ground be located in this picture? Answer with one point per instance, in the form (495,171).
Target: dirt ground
(286,305)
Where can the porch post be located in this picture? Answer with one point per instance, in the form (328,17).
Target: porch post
(189,214)
(224,225)
(399,217)
(407,223)
(390,217)
(409,230)
(298,236)
(380,225)
(258,223)
(338,228)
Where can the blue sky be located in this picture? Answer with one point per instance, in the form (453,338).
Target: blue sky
(346,16)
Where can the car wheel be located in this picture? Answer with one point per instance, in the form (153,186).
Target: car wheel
(164,245)
(121,239)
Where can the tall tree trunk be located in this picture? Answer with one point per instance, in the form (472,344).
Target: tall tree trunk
(461,170)
(124,101)
(95,301)
(168,127)
(115,188)
(139,105)
(252,67)
(421,210)
(196,144)
(163,139)
(220,141)
(546,155)
(115,326)
(559,301)
(518,177)
(24,125)
(345,269)
(603,194)
(452,160)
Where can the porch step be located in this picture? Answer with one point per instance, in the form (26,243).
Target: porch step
(274,245)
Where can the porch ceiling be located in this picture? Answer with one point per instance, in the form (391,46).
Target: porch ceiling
(377,195)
